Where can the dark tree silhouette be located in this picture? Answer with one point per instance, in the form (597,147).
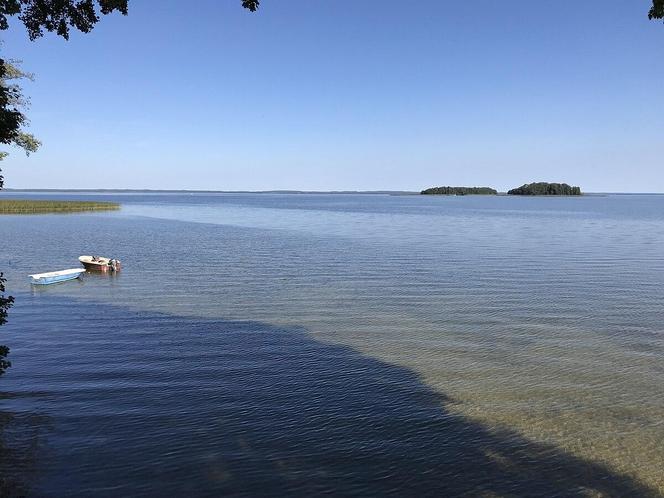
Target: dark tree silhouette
(60,16)
(459,191)
(252,5)
(12,111)
(544,188)
(5,304)
(11,118)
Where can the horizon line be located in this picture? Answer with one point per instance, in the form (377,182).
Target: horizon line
(277,191)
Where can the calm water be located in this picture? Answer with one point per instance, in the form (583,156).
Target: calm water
(353,344)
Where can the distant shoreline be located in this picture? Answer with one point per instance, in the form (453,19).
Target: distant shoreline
(308,192)
(156,191)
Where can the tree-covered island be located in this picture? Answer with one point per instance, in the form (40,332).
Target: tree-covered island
(544,188)
(459,191)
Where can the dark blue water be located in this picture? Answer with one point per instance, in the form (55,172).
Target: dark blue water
(349,344)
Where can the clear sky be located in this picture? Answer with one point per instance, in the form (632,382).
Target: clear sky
(348,94)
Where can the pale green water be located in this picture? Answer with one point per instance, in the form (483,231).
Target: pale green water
(360,344)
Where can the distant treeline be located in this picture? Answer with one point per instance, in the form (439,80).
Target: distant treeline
(539,188)
(20,206)
(459,191)
(543,188)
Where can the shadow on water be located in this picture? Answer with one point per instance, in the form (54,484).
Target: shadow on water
(20,437)
(152,404)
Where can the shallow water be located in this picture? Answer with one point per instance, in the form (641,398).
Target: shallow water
(264,344)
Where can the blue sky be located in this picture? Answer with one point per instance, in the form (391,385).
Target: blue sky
(343,94)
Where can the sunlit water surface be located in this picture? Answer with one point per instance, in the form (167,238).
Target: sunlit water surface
(270,344)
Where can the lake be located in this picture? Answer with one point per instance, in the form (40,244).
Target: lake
(299,344)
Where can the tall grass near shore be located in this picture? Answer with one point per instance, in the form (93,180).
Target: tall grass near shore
(19,206)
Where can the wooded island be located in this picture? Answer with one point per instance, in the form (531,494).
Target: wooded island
(459,191)
(543,188)
(537,188)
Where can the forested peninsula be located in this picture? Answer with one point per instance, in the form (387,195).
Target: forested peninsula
(543,188)
(459,191)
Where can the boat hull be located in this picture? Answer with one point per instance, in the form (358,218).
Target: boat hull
(99,264)
(55,278)
(102,267)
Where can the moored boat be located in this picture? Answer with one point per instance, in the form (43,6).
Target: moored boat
(99,263)
(53,277)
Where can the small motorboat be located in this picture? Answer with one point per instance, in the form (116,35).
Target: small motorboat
(53,277)
(99,263)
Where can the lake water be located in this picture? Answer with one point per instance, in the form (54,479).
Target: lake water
(259,344)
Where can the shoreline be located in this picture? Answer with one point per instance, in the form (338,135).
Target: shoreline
(290,192)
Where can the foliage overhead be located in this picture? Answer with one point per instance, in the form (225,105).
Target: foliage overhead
(60,16)
(12,106)
(459,191)
(11,118)
(543,188)
(252,5)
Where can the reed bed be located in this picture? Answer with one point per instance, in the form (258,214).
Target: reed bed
(19,206)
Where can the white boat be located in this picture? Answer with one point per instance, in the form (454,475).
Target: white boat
(53,277)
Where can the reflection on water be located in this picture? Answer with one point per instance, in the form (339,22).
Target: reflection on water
(303,343)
